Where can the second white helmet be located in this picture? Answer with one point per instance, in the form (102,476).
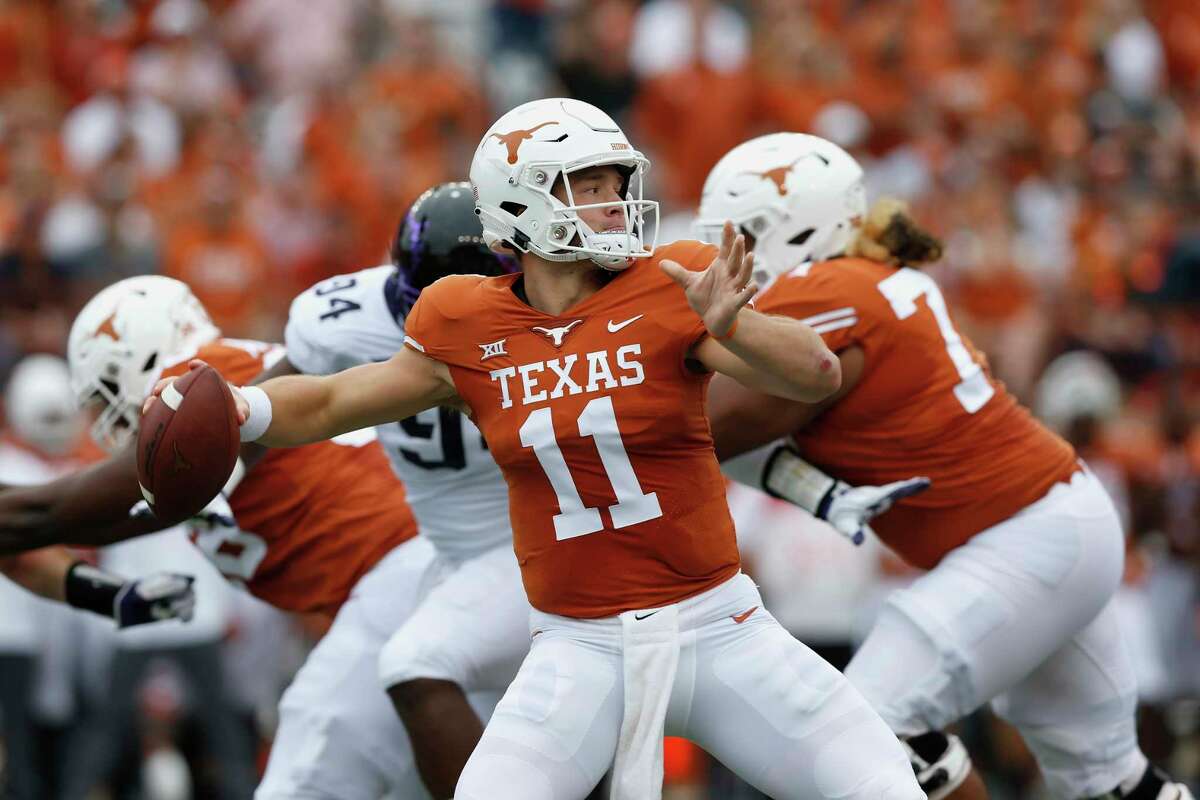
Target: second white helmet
(801,197)
(123,339)
(520,160)
(39,406)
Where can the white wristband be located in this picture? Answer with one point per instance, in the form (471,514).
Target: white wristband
(259,418)
(794,479)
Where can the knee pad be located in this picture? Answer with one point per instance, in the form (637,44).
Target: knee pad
(940,762)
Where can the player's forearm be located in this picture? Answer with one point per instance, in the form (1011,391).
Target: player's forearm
(87,507)
(307,408)
(28,523)
(56,574)
(42,572)
(787,357)
(302,410)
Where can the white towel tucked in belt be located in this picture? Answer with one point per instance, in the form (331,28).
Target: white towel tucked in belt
(650,643)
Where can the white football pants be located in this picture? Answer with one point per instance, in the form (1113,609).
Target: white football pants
(339,737)
(747,692)
(1020,616)
(472,628)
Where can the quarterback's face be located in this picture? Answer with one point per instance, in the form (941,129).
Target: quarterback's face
(596,185)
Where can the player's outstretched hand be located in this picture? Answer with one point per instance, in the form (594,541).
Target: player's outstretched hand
(163,595)
(850,509)
(243,408)
(720,291)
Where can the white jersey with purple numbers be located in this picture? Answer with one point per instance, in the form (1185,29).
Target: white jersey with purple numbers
(454,486)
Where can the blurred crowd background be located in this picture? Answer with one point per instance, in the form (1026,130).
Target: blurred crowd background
(252,147)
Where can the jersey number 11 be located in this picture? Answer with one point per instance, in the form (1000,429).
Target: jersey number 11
(599,421)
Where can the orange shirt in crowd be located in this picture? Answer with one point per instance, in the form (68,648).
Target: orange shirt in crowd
(24,43)
(689,119)
(227,270)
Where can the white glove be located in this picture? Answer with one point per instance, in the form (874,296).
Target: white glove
(847,508)
(163,595)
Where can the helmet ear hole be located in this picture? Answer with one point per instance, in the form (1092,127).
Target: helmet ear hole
(516,209)
(150,362)
(802,237)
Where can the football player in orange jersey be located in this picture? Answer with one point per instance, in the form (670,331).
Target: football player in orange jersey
(470,633)
(1024,548)
(321,529)
(587,375)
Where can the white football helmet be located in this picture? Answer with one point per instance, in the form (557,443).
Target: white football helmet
(123,339)
(39,406)
(800,197)
(1077,384)
(522,156)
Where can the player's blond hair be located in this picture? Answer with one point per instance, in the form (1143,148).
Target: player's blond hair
(890,235)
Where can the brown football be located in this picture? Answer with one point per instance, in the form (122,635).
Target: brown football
(187,444)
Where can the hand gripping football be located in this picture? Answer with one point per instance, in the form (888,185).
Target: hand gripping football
(187,444)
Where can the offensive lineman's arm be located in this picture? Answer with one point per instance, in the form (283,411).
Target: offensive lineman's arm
(308,408)
(42,572)
(88,507)
(55,574)
(91,507)
(742,420)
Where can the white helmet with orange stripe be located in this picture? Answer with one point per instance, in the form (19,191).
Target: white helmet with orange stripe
(527,152)
(121,341)
(799,197)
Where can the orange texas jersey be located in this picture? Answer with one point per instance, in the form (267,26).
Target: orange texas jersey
(599,427)
(925,405)
(311,520)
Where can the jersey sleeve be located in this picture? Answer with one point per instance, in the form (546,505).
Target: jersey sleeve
(428,328)
(821,299)
(237,360)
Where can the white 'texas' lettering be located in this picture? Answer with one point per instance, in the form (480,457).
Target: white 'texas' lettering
(638,376)
(598,370)
(502,375)
(564,376)
(529,383)
(569,378)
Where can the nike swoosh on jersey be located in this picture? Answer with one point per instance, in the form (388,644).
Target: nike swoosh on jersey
(742,617)
(613,327)
(640,617)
